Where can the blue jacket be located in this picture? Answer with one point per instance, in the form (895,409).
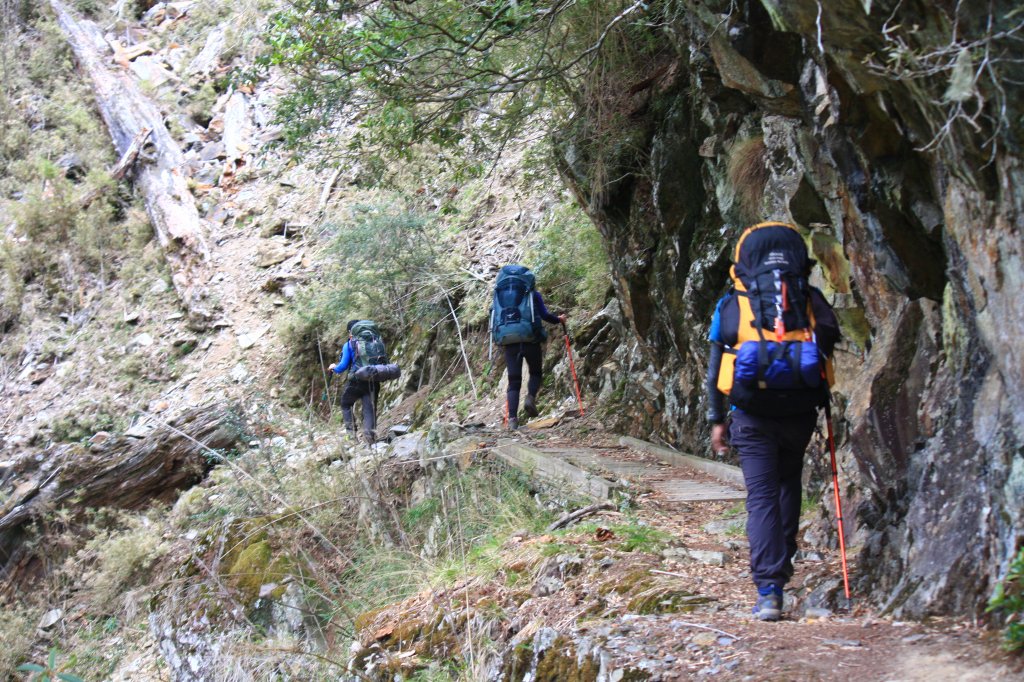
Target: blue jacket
(347,355)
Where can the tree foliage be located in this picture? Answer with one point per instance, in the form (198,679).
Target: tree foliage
(455,73)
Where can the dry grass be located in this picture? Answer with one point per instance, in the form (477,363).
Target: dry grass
(747,171)
(123,560)
(17,628)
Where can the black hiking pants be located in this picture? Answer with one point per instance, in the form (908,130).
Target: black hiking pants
(771,451)
(367,392)
(514,356)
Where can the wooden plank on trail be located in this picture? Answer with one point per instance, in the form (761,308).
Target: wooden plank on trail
(586,458)
(675,489)
(724,472)
(552,470)
(682,490)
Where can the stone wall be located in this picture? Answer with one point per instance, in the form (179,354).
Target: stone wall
(755,111)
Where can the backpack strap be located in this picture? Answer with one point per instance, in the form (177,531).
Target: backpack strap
(762,344)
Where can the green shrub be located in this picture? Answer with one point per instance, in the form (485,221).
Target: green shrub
(17,631)
(12,288)
(376,263)
(1009,600)
(123,561)
(639,537)
(570,261)
(85,418)
(89,7)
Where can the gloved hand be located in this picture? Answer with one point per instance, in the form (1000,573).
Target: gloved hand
(332,367)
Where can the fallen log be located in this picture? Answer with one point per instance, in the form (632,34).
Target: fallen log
(118,172)
(171,208)
(121,472)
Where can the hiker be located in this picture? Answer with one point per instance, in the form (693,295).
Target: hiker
(516,315)
(772,337)
(363,348)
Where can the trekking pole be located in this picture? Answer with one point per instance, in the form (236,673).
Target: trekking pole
(572,366)
(490,335)
(835,488)
(327,388)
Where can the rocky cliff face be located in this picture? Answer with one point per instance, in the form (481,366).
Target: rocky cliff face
(771,110)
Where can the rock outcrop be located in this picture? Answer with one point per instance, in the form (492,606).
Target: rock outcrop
(766,110)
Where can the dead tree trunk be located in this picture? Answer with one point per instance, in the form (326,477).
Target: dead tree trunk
(123,473)
(169,203)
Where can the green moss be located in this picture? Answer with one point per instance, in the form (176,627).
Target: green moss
(517,663)
(559,664)
(366,618)
(855,326)
(634,581)
(660,599)
(255,567)
(830,256)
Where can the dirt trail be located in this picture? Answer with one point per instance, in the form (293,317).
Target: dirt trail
(721,639)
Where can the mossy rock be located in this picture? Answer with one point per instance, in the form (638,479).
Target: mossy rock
(855,326)
(366,618)
(660,599)
(631,583)
(517,661)
(255,567)
(436,639)
(559,664)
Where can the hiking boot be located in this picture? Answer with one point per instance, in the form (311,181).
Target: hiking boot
(513,424)
(769,603)
(530,405)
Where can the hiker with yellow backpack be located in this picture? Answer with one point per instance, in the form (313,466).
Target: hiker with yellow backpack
(772,337)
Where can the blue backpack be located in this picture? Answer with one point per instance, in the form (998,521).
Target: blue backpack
(513,319)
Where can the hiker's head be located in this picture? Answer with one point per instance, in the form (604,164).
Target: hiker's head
(351,323)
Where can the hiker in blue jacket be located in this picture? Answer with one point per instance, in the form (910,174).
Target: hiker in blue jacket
(515,325)
(759,332)
(533,353)
(356,391)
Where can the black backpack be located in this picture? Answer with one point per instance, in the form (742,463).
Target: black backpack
(778,330)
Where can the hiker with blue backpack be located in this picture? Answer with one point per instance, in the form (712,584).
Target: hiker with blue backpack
(516,314)
(772,337)
(365,358)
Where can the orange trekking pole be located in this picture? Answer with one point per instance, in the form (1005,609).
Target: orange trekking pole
(839,508)
(572,366)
